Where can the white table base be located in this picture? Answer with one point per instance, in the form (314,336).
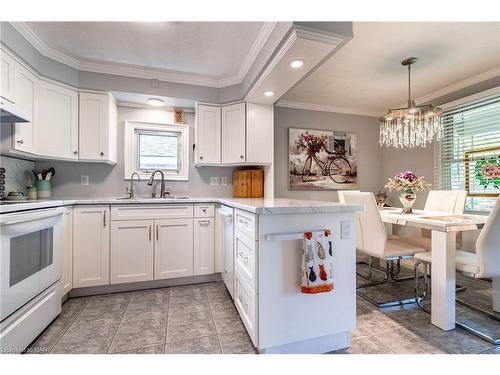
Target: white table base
(496,294)
(443,280)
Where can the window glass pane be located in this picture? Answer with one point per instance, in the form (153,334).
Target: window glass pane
(469,153)
(158,151)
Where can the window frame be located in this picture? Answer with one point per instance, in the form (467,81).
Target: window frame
(483,95)
(131,149)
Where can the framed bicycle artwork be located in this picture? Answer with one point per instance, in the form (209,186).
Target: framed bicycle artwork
(322,159)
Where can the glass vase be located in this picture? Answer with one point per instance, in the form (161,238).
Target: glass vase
(407,198)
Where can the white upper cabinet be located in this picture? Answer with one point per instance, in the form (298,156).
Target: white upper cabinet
(259,133)
(57,127)
(233,134)
(7,76)
(208,134)
(26,89)
(97,127)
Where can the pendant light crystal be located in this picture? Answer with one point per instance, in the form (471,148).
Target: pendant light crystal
(413,125)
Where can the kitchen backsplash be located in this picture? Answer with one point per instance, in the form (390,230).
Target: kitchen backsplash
(18,173)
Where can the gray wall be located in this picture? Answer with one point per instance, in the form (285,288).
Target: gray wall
(106,180)
(369,152)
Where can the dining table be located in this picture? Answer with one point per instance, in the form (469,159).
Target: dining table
(444,228)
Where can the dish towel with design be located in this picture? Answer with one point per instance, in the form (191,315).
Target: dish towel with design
(317,262)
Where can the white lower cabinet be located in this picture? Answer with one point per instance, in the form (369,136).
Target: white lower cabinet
(245,302)
(67,263)
(131,251)
(173,253)
(204,246)
(90,246)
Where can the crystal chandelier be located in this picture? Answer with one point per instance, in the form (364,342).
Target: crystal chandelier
(413,125)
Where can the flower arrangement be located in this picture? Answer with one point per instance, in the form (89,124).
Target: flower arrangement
(312,144)
(488,173)
(407,180)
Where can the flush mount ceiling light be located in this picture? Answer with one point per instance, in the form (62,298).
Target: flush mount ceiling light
(297,64)
(155,102)
(413,125)
(268,93)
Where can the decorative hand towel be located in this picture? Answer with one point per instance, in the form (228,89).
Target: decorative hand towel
(317,262)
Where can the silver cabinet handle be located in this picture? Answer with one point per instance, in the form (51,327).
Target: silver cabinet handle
(242,157)
(204,222)
(201,157)
(75,152)
(149,233)
(157,233)
(102,153)
(20,141)
(104,218)
(243,221)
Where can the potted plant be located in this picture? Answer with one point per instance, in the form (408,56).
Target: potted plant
(407,183)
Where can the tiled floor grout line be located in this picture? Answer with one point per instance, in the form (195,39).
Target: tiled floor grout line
(118,325)
(213,320)
(69,326)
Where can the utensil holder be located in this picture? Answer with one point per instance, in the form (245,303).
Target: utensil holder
(43,187)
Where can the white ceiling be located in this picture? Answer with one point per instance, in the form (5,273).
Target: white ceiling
(207,53)
(365,76)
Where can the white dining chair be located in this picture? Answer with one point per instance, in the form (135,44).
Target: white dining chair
(484,263)
(372,240)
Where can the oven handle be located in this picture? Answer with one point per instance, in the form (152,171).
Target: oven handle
(22,217)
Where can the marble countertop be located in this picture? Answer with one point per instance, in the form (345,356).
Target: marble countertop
(261,206)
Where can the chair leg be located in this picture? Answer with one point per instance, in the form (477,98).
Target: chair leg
(419,298)
(478,309)
(398,269)
(477,333)
(370,266)
(391,303)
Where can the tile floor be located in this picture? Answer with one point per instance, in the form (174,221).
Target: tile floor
(202,319)
(186,319)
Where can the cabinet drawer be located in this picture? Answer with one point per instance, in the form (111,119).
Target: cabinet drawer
(245,258)
(245,302)
(246,222)
(203,210)
(158,211)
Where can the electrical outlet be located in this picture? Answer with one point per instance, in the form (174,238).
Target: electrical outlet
(345,228)
(214,180)
(223,180)
(84,180)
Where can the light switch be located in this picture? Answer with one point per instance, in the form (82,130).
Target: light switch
(345,229)
(214,180)
(223,180)
(84,180)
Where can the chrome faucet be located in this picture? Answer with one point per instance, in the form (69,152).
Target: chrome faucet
(162,187)
(131,189)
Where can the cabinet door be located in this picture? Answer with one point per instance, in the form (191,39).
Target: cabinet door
(26,83)
(7,77)
(93,126)
(260,133)
(67,272)
(131,251)
(57,128)
(233,133)
(90,246)
(204,246)
(173,248)
(208,134)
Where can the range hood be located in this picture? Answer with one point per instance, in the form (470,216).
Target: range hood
(9,113)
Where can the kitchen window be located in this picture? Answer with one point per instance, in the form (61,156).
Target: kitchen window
(468,156)
(149,147)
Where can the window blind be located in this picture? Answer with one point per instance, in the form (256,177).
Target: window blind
(468,156)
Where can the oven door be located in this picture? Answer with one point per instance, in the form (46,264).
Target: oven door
(30,255)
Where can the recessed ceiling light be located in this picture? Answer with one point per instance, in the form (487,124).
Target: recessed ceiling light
(297,63)
(155,102)
(268,93)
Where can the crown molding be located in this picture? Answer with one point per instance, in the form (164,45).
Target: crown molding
(304,32)
(326,108)
(145,106)
(144,72)
(495,72)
